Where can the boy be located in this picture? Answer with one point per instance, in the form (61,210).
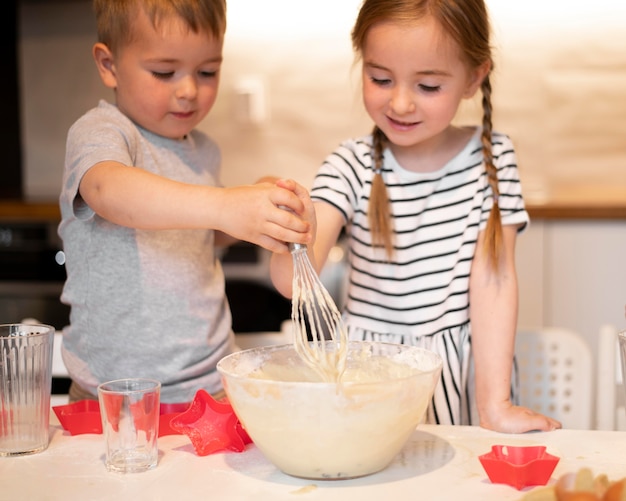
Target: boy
(142,207)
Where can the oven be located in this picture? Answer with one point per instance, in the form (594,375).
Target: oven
(32,274)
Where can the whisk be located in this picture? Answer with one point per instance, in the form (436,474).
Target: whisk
(313,307)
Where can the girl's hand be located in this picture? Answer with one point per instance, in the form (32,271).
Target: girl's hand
(516,419)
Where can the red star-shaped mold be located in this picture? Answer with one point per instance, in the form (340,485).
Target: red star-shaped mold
(211,426)
(168,412)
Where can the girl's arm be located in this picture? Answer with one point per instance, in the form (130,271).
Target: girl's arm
(138,199)
(493,317)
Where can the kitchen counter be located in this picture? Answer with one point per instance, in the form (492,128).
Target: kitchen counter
(438,463)
(22,211)
(576,201)
(566,202)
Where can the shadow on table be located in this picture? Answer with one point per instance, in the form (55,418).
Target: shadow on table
(422,454)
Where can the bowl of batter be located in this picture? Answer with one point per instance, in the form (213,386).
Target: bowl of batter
(315,429)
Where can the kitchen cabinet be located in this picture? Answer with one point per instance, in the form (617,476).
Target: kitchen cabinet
(585,275)
(31,265)
(570,260)
(572,273)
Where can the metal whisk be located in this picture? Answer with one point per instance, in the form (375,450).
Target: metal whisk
(314,313)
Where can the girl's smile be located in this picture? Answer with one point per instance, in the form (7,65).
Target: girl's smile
(401,125)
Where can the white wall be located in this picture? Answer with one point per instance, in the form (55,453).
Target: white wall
(301,55)
(560,87)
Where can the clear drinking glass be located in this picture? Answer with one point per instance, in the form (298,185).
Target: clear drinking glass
(130,423)
(25,387)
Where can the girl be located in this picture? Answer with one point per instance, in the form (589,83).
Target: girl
(430,210)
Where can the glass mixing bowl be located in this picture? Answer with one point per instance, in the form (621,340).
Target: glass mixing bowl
(319,430)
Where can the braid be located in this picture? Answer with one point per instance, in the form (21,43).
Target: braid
(379,217)
(493,231)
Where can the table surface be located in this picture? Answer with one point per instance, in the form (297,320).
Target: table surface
(437,463)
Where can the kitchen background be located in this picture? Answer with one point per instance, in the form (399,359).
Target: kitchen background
(290,92)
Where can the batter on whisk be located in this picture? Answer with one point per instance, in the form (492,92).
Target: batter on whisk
(314,313)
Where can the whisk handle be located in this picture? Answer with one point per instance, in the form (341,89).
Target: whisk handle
(294,246)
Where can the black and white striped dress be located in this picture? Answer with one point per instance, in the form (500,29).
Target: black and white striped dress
(421,298)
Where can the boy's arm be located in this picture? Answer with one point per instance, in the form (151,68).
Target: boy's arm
(138,199)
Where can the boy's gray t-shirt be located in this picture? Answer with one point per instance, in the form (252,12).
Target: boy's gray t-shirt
(143,303)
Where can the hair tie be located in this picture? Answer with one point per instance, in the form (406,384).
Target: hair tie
(377,170)
(496,197)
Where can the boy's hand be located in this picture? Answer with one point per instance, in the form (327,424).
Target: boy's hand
(308,212)
(257,214)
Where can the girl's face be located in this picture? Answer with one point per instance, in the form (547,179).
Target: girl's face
(165,80)
(413,82)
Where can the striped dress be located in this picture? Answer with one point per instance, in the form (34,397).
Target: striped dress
(421,297)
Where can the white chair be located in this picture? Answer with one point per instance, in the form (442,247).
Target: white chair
(555,374)
(610,391)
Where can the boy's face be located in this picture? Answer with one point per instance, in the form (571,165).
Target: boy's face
(166,80)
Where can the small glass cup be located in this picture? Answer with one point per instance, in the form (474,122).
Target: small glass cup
(130,423)
(25,387)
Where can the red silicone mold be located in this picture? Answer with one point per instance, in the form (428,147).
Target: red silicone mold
(211,425)
(518,466)
(169,412)
(84,417)
(80,417)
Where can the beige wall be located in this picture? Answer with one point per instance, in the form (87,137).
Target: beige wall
(560,88)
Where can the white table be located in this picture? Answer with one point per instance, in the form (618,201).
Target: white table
(438,463)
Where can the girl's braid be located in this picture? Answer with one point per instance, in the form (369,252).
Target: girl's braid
(493,231)
(379,217)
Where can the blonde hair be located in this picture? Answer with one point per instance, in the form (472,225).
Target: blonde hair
(467,22)
(114,18)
